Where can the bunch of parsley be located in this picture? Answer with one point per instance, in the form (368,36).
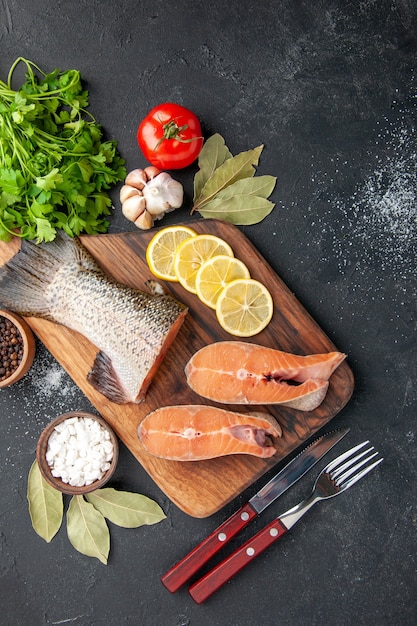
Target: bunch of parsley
(54,166)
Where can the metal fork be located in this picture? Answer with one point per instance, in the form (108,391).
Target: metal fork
(340,474)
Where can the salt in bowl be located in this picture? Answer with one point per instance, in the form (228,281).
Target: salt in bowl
(42,449)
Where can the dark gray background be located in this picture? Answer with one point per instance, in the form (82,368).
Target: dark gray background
(330,88)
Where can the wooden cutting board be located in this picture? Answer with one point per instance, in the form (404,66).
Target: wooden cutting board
(198,488)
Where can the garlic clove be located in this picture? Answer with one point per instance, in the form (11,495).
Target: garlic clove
(151,171)
(133,207)
(144,221)
(163,194)
(128,191)
(136,178)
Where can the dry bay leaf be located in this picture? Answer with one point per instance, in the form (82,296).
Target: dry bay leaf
(261,186)
(46,506)
(87,529)
(233,169)
(126,509)
(240,209)
(213,154)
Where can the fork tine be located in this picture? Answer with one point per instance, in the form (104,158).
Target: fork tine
(354,469)
(361,474)
(341,468)
(342,457)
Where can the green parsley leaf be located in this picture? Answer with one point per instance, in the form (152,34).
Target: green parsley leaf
(55,170)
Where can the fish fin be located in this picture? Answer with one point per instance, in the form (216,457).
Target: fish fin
(155,288)
(105,380)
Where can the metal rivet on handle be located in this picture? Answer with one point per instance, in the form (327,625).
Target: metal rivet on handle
(250,551)
(273,532)
(221,536)
(244,516)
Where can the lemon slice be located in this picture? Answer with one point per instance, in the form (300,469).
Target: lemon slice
(192,253)
(161,250)
(215,274)
(244,307)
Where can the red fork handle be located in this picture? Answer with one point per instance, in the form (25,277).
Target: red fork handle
(224,571)
(174,578)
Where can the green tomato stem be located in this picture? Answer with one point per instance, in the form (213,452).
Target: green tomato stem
(171,130)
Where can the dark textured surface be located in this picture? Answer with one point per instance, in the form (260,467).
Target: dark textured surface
(330,89)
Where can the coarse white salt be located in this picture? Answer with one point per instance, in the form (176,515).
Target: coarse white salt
(79,451)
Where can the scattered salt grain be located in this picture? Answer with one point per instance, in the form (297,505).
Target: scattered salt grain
(79,451)
(381,215)
(374,225)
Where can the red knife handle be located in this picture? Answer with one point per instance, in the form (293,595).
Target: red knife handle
(174,578)
(224,571)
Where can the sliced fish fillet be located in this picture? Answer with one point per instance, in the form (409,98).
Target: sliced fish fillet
(198,432)
(236,372)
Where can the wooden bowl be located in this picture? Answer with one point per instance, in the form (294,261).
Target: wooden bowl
(29,348)
(45,469)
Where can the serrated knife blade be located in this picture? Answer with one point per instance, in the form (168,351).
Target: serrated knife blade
(295,469)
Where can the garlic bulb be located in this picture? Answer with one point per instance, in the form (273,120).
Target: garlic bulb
(148,194)
(162,194)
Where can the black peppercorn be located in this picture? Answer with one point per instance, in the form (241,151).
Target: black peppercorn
(11,348)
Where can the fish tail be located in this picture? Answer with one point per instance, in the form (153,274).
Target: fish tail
(24,279)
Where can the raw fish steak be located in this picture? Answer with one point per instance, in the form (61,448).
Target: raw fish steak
(198,432)
(235,372)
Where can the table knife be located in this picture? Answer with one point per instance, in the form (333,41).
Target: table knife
(182,571)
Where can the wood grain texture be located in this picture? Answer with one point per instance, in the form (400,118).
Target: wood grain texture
(203,487)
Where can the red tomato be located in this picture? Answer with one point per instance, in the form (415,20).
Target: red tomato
(170,136)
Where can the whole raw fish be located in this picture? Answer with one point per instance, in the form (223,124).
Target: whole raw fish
(60,281)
